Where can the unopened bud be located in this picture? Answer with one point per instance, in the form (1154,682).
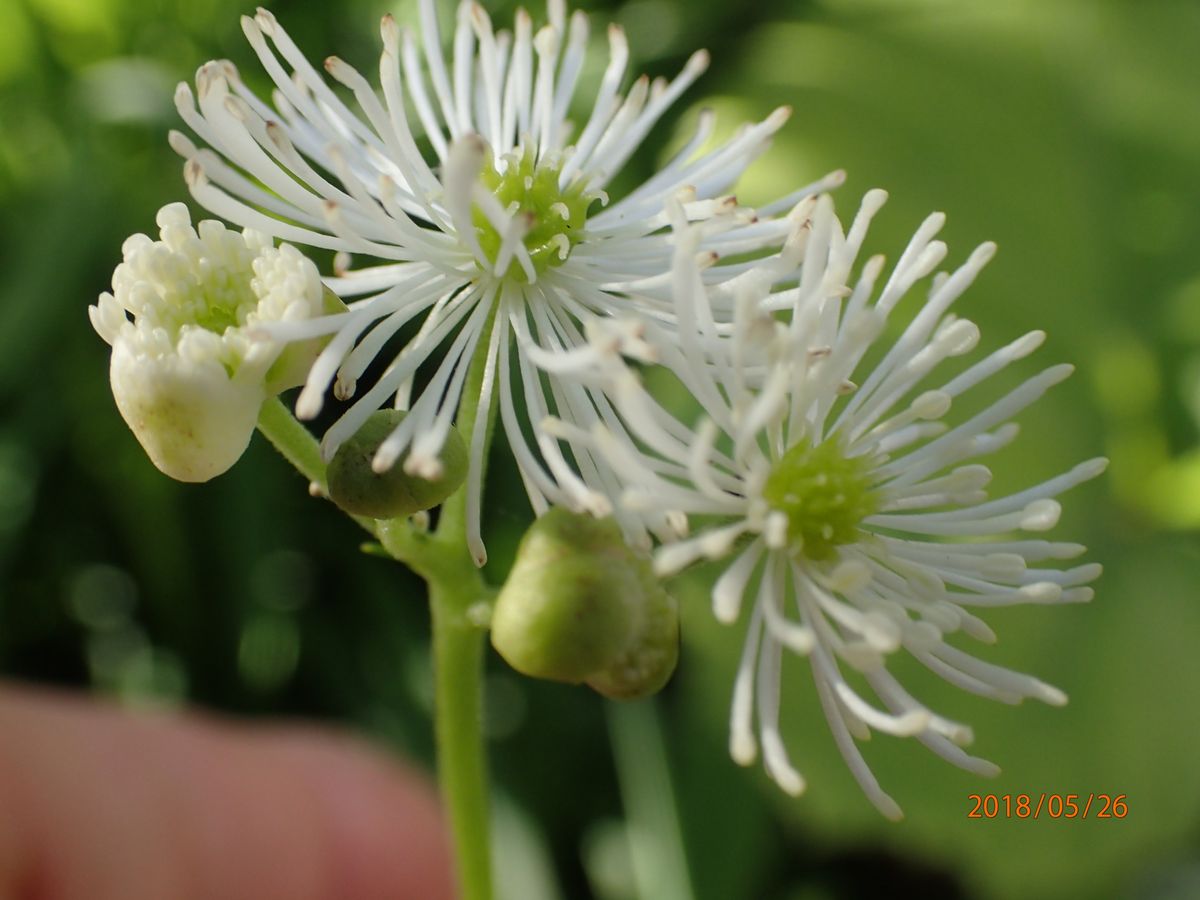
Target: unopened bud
(356,487)
(580,606)
(649,662)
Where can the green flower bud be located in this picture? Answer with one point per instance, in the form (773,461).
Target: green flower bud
(648,663)
(358,489)
(580,606)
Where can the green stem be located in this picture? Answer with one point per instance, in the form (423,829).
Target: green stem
(458,645)
(293,440)
(660,869)
(452,525)
(462,765)
(459,602)
(298,447)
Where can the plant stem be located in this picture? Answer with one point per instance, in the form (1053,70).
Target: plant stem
(462,766)
(459,605)
(298,447)
(452,524)
(459,602)
(458,645)
(660,869)
(457,595)
(293,440)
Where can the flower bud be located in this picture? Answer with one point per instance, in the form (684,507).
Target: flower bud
(580,606)
(186,374)
(356,487)
(649,661)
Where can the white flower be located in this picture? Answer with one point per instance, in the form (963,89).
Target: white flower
(497,234)
(186,374)
(855,517)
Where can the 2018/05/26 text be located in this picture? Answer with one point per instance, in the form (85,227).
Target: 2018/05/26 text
(1052,806)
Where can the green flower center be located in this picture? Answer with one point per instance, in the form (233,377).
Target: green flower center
(824,494)
(558,216)
(224,305)
(213,290)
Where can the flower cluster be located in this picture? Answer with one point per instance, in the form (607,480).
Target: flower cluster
(504,238)
(499,277)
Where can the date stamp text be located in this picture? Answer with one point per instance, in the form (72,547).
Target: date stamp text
(1047,806)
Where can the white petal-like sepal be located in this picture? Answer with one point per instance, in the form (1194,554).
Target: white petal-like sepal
(192,420)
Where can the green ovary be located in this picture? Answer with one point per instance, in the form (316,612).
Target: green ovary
(217,318)
(824,494)
(214,298)
(217,297)
(526,187)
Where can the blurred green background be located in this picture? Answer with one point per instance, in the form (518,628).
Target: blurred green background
(1066,130)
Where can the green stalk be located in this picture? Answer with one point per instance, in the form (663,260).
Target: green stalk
(299,447)
(459,600)
(293,440)
(462,765)
(452,525)
(458,644)
(457,592)
(660,869)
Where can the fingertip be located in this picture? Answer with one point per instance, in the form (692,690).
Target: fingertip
(383,828)
(102,804)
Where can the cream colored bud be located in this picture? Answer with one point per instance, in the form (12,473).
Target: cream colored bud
(186,374)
